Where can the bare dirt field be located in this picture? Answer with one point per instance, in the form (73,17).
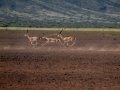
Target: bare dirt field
(92,64)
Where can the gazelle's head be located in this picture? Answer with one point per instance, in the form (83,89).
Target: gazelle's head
(59,35)
(25,35)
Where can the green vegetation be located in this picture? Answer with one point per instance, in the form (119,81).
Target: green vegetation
(60,13)
(71,29)
(55,24)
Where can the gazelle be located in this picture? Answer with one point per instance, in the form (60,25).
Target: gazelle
(33,40)
(67,40)
(50,40)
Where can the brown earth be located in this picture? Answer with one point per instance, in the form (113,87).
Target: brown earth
(92,64)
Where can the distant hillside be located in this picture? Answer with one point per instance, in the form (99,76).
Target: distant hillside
(60,13)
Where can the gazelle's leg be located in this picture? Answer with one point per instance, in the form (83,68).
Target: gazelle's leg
(45,43)
(36,43)
(67,44)
(42,44)
(29,41)
(64,44)
(33,43)
(60,42)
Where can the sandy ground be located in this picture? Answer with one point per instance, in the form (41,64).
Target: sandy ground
(92,64)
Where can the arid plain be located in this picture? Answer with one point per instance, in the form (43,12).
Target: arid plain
(93,63)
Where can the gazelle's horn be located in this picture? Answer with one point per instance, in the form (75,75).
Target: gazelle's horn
(43,34)
(61,31)
(27,31)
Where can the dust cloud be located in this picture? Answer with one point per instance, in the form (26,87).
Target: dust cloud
(47,48)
